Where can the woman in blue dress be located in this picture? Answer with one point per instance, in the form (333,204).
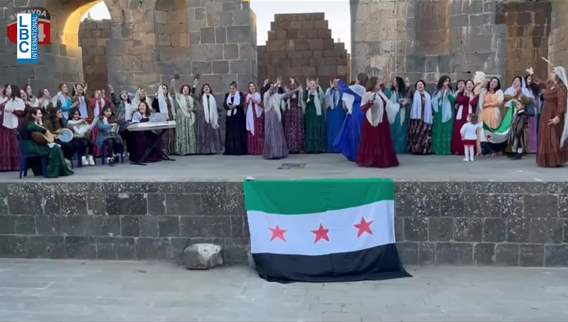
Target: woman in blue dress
(348,139)
(335,115)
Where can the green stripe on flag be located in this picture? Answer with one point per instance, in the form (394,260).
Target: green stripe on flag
(296,197)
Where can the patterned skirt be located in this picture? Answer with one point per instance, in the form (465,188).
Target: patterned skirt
(420,137)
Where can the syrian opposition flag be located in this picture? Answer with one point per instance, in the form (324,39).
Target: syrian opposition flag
(323,230)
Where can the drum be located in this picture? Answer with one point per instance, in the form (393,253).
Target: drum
(65,135)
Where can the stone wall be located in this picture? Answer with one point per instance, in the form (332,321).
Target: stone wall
(94,37)
(461,223)
(528,28)
(558,41)
(301,46)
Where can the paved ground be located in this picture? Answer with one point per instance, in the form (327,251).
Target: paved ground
(63,290)
(236,168)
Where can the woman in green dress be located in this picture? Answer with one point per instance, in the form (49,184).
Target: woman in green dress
(398,114)
(314,119)
(443,106)
(56,165)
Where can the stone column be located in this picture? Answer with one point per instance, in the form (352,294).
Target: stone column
(558,41)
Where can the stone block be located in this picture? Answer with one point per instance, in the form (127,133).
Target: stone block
(80,247)
(25,225)
(531,255)
(507,254)
(440,228)
(421,205)
(493,230)
(408,252)
(152,248)
(426,253)
(126,204)
(415,228)
(14,246)
(205,227)
(105,226)
(517,229)
(399,228)
(156,204)
(198,67)
(239,34)
(24,203)
(554,255)
(454,253)
(125,248)
(129,226)
(184,204)
(202,256)
(168,226)
(105,248)
(74,226)
(484,254)
(503,205)
(220,67)
(545,230)
(221,35)
(240,66)
(47,247)
(7,224)
(541,205)
(148,226)
(451,204)
(207,52)
(238,227)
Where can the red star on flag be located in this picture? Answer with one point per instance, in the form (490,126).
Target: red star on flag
(363,227)
(278,233)
(321,233)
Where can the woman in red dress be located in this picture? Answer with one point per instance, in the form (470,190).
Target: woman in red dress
(254,120)
(376,148)
(466,103)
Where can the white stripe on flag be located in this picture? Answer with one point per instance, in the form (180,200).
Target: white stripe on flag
(300,238)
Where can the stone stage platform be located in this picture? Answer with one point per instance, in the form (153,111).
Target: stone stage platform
(490,212)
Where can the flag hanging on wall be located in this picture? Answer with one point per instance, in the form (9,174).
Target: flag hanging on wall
(323,230)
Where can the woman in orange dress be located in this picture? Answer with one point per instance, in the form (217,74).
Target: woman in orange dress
(553,130)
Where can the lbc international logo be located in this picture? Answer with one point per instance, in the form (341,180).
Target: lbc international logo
(30,29)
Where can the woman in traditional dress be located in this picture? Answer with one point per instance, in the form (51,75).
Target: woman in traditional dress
(11,108)
(443,105)
(56,165)
(186,125)
(293,116)
(81,102)
(314,119)
(553,129)
(536,92)
(64,102)
(275,146)
(140,141)
(208,130)
(82,137)
(350,134)
(335,115)
(398,114)
(163,103)
(376,148)
(254,120)
(420,131)
(31,99)
(519,99)
(235,122)
(466,104)
(490,104)
(44,100)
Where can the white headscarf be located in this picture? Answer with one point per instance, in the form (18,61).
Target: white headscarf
(561,73)
(394,107)
(252,108)
(416,112)
(210,110)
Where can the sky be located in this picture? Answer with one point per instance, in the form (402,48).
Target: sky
(336,13)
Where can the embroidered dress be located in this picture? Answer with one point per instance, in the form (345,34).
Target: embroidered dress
(186,125)
(464,107)
(335,116)
(550,152)
(275,146)
(254,123)
(294,123)
(398,115)
(314,123)
(442,129)
(420,132)
(208,130)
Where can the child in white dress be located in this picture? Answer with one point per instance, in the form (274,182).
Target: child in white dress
(470,133)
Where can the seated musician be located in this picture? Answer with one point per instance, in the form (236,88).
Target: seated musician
(54,122)
(139,142)
(36,145)
(108,135)
(82,136)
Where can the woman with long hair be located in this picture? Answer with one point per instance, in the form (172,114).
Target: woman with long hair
(208,129)
(12,107)
(335,114)
(186,121)
(466,104)
(443,105)
(398,114)
(536,93)
(420,131)
(293,115)
(235,122)
(254,120)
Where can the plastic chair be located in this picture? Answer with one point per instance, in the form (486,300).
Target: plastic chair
(24,160)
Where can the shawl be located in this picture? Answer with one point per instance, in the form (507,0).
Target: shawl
(301,102)
(272,101)
(10,119)
(416,112)
(163,104)
(210,110)
(561,73)
(236,102)
(481,101)
(317,100)
(333,97)
(185,104)
(375,112)
(444,100)
(83,111)
(252,108)
(349,99)
(459,113)
(394,107)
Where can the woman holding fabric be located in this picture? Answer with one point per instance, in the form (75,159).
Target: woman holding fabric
(420,132)
(398,114)
(443,105)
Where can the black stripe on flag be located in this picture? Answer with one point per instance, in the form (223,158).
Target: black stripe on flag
(377,263)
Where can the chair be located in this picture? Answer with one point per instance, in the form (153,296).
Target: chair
(24,160)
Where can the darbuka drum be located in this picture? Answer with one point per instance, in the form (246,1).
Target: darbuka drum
(65,135)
